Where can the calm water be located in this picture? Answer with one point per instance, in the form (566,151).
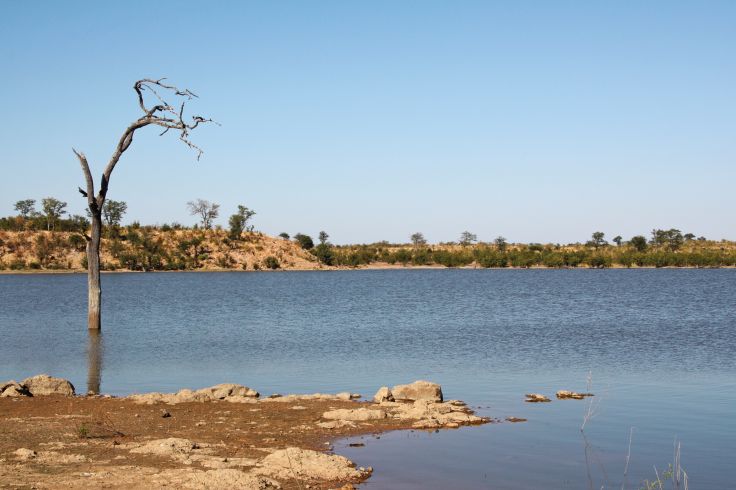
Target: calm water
(660,345)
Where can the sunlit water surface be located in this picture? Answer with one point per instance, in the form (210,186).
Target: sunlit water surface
(660,345)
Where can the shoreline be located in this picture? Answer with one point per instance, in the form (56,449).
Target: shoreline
(359,268)
(224,436)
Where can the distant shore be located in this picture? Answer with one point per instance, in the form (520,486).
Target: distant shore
(372,267)
(152,249)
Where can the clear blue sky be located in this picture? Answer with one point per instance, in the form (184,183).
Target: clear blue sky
(538,121)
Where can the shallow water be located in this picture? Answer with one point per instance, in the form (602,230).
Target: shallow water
(660,345)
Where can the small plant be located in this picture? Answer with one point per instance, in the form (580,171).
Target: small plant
(82,431)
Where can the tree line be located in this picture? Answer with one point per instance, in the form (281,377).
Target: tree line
(136,247)
(665,248)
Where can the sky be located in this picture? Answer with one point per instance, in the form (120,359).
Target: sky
(538,121)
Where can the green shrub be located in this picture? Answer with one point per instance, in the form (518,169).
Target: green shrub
(17,265)
(271,262)
(304,241)
(599,261)
(323,252)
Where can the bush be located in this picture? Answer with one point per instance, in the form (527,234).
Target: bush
(17,265)
(598,261)
(304,241)
(271,262)
(77,242)
(323,252)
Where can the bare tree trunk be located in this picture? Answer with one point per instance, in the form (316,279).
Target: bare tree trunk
(93,274)
(94,361)
(162,115)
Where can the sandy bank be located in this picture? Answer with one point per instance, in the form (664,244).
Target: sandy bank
(219,437)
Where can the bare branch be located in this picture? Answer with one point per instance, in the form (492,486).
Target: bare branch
(162,114)
(87,177)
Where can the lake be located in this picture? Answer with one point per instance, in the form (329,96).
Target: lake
(660,346)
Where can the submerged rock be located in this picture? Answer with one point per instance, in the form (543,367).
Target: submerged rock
(536,398)
(565,394)
(418,390)
(43,384)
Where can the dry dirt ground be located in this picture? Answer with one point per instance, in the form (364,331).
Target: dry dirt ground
(103,442)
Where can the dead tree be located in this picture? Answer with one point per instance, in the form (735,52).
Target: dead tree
(162,114)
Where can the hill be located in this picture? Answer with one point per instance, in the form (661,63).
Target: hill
(148,248)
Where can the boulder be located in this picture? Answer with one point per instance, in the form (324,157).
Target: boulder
(43,384)
(418,390)
(383,395)
(13,388)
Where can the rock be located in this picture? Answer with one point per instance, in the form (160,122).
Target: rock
(383,395)
(13,388)
(25,454)
(565,394)
(224,390)
(335,424)
(305,464)
(536,398)
(355,414)
(515,419)
(344,396)
(418,390)
(431,415)
(227,391)
(165,414)
(43,384)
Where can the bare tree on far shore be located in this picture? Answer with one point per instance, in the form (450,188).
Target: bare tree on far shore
(207,211)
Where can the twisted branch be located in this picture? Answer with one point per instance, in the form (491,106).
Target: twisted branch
(161,114)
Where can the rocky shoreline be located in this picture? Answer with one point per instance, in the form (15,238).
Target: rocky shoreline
(224,436)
